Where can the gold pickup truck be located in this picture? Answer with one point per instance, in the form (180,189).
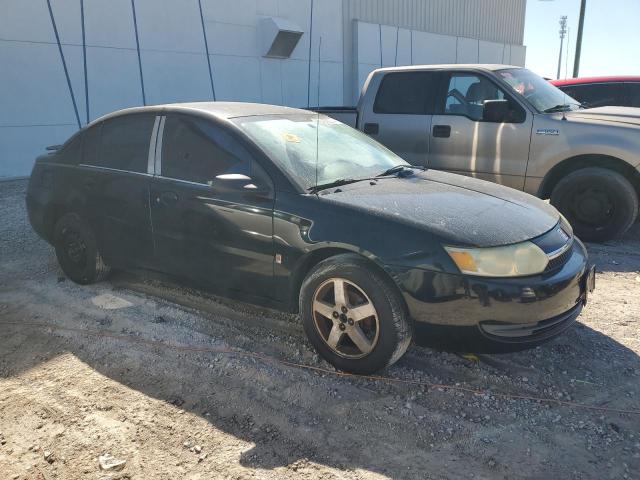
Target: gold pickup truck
(508,125)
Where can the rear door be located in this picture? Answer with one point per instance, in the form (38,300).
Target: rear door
(115,184)
(212,207)
(400,115)
(462,141)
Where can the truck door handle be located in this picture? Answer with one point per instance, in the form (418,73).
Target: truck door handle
(442,131)
(167,198)
(371,128)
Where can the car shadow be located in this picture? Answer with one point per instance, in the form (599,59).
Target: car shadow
(618,255)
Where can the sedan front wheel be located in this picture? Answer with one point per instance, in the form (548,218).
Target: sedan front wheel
(353,316)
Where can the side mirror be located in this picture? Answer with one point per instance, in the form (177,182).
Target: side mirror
(496,111)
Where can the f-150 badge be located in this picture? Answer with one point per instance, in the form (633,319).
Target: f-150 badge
(547,131)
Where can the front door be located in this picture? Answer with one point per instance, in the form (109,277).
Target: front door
(212,208)
(462,141)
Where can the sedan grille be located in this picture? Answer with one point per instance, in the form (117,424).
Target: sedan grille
(559,261)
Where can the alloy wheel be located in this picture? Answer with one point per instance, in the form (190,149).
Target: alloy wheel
(345,318)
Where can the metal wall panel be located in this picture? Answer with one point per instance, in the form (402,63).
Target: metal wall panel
(498,21)
(495,20)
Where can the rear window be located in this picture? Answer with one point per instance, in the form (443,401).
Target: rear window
(71,153)
(123,143)
(406,93)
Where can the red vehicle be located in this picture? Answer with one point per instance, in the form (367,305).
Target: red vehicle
(603,91)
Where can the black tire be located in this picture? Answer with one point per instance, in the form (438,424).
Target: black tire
(599,203)
(391,320)
(77,250)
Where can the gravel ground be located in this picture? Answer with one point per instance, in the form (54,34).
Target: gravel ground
(140,369)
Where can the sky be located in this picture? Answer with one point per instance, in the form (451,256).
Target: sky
(610,39)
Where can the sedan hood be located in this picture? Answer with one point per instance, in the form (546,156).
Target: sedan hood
(625,115)
(459,210)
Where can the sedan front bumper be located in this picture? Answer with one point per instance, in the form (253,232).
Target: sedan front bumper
(485,315)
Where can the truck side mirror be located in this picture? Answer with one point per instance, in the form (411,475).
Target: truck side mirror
(496,111)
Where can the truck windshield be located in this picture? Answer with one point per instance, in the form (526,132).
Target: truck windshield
(299,142)
(540,93)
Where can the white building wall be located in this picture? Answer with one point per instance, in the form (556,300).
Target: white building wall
(36,102)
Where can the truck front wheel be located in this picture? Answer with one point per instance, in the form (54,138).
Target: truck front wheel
(600,204)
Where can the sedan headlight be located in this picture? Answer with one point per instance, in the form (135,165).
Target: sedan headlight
(516,260)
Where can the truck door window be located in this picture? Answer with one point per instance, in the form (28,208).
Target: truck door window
(466,95)
(196,150)
(406,93)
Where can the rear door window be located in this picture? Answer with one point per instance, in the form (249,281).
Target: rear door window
(598,94)
(633,90)
(406,93)
(196,150)
(123,143)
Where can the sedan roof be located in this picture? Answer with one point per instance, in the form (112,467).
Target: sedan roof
(588,80)
(221,110)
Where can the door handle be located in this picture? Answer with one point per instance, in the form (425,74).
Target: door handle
(167,198)
(371,128)
(442,131)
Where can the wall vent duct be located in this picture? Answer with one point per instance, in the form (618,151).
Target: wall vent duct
(279,37)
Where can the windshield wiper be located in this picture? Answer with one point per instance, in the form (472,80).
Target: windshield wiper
(399,169)
(558,108)
(335,183)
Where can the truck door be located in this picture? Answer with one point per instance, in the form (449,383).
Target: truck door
(464,141)
(399,116)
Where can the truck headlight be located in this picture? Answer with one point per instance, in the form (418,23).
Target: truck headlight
(516,260)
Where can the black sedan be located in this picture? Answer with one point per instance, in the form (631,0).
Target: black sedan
(285,208)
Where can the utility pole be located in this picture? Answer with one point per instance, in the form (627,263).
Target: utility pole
(576,61)
(562,32)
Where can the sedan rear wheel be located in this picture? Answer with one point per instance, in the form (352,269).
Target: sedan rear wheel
(353,315)
(77,250)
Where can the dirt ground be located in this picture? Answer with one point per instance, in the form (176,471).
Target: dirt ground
(139,369)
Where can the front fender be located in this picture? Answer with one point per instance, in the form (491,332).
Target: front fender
(554,140)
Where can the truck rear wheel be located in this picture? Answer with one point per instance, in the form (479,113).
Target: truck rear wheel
(600,204)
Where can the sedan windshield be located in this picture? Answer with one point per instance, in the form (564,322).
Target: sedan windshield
(318,150)
(540,93)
